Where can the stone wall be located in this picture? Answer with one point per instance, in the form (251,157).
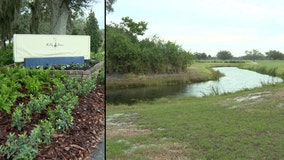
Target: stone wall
(83,73)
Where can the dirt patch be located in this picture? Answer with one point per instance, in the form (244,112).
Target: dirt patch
(279,93)
(253,96)
(121,125)
(250,99)
(125,131)
(168,151)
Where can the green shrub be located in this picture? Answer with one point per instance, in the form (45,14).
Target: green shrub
(68,99)
(8,95)
(26,147)
(33,84)
(59,91)
(60,118)
(6,57)
(47,131)
(19,147)
(102,76)
(86,86)
(37,104)
(17,118)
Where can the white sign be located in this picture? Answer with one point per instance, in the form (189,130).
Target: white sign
(43,45)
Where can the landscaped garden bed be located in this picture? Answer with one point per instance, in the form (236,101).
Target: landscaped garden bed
(45,114)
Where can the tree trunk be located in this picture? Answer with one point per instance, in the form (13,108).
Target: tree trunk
(59,16)
(35,17)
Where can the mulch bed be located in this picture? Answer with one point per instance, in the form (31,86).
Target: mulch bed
(80,140)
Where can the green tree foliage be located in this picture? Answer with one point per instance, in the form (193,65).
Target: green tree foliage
(133,28)
(254,55)
(8,11)
(92,29)
(109,4)
(224,55)
(274,55)
(126,54)
(200,56)
(121,51)
(41,16)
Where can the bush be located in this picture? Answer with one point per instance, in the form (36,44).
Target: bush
(60,117)
(19,147)
(26,147)
(6,57)
(102,76)
(17,118)
(37,104)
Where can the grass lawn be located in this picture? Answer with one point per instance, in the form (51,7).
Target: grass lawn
(244,125)
(233,126)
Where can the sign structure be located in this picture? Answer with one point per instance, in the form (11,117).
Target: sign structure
(45,46)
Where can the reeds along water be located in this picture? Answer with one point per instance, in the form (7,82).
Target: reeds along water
(266,70)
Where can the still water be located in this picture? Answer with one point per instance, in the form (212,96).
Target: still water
(234,79)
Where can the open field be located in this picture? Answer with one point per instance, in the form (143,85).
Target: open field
(244,125)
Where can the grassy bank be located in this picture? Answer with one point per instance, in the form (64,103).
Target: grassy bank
(242,125)
(270,67)
(197,72)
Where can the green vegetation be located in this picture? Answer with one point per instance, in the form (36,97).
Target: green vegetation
(273,68)
(92,29)
(54,95)
(216,127)
(23,146)
(224,55)
(242,125)
(197,72)
(6,57)
(125,53)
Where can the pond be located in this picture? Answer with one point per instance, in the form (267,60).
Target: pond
(234,79)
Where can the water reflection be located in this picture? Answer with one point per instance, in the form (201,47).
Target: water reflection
(134,95)
(235,79)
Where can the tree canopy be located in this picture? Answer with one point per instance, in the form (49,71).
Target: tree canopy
(109,4)
(92,29)
(274,55)
(126,54)
(224,55)
(41,17)
(253,55)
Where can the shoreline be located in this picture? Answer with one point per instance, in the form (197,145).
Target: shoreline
(194,74)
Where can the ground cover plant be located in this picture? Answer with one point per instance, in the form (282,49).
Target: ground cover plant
(40,109)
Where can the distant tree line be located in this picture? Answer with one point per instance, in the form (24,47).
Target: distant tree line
(125,53)
(250,55)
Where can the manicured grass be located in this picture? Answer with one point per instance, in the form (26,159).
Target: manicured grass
(206,128)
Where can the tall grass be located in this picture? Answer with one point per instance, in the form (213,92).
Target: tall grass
(214,91)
